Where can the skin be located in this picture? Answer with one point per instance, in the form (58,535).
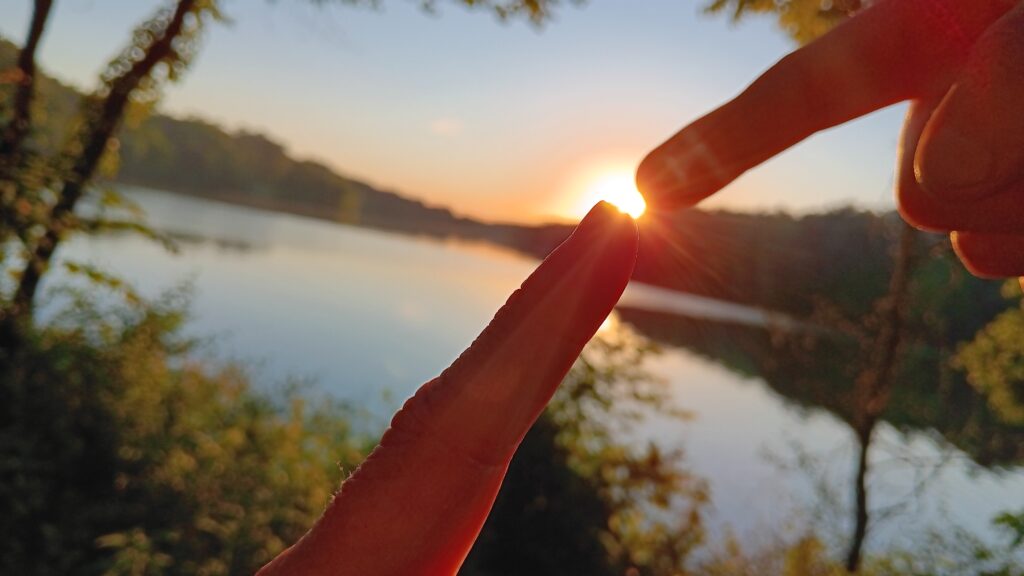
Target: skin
(417,504)
(960,167)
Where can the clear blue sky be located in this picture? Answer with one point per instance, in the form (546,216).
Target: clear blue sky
(497,120)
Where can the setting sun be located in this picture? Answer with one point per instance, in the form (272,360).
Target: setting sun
(619,190)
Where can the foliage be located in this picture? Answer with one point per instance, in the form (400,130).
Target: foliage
(39,192)
(952,551)
(804,20)
(122,454)
(535,11)
(119,454)
(547,519)
(943,551)
(656,504)
(578,499)
(994,362)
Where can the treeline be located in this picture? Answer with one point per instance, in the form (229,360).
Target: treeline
(833,271)
(198,158)
(192,156)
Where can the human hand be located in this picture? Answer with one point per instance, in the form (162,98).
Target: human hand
(961,156)
(418,502)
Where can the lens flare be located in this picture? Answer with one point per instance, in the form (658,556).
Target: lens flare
(617,189)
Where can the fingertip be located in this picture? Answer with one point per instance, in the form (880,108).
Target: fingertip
(606,224)
(517,362)
(990,255)
(655,184)
(953,170)
(609,236)
(973,146)
(598,217)
(600,210)
(919,209)
(954,160)
(678,174)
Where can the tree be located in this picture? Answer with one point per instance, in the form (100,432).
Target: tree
(874,384)
(17,128)
(577,500)
(161,49)
(121,455)
(806,20)
(994,362)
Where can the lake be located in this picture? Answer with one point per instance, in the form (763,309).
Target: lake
(367,317)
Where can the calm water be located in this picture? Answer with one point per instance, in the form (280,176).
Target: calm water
(368,316)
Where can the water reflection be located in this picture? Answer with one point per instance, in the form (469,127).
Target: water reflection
(641,296)
(225,244)
(812,371)
(939,457)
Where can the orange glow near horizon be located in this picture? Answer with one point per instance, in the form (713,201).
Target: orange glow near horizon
(616,188)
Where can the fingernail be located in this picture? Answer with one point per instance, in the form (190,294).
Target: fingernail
(661,178)
(597,218)
(955,160)
(955,165)
(683,171)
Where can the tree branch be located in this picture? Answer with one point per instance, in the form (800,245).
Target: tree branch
(18,127)
(875,384)
(97,133)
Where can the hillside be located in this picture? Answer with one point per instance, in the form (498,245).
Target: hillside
(192,156)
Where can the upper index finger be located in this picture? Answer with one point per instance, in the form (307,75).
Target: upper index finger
(893,51)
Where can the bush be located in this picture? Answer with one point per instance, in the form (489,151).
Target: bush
(120,455)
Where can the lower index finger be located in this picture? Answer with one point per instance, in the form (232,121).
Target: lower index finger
(416,505)
(893,51)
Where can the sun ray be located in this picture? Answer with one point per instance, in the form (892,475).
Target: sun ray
(616,188)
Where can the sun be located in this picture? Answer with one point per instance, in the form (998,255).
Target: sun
(619,190)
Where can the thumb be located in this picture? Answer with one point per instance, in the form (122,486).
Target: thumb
(973,146)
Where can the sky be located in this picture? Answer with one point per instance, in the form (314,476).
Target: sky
(501,121)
